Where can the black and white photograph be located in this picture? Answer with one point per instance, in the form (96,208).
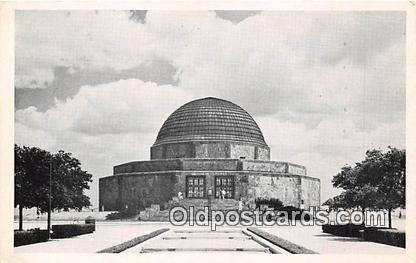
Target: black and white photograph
(234,134)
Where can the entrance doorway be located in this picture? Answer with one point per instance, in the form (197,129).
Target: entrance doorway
(195,186)
(224,184)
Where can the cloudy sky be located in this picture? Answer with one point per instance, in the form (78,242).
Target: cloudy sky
(323,86)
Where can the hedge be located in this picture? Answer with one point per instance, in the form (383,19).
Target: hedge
(298,215)
(120,215)
(391,237)
(70,230)
(349,230)
(274,203)
(386,236)
(280,242)
(30,237)
(132,242)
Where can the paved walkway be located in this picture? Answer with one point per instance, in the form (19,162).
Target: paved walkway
(231,239)
(105,235)
(197,238)
(313,238)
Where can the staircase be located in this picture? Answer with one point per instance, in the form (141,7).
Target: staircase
(198,204)
(224,204)
(186,203)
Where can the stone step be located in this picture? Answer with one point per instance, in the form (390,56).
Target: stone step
(200,204)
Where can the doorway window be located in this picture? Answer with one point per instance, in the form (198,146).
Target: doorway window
(224,183)
(195,186)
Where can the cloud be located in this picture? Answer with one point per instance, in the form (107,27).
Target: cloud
(67,82)
(323,86)
(235,16)
(34,78)
(102,125)
(118,107)
(328,147)
(333,136)
(98,153)
(303,62)
(110,39)
(282,60)
(138,16)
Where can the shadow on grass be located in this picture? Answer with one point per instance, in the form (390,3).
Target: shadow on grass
(323,235)
(347,239)
(338,238)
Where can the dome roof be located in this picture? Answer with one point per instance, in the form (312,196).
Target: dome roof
(210,119)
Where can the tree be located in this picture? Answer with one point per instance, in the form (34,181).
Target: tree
(31,166)
(392,184)
(352,198)
(359,192)
(37,171)
(68,183)
(376,182)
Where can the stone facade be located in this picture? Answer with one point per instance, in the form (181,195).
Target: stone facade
(212,149)
(205,147)
(135,192)
(137,185)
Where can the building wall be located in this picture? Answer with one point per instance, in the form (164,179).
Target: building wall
(156,152)
(210,165)
(108,193)
(276,167)
(179,150)
(212,150)
(311,192)
(239,151)
(215,150)
(140,191)
(135,191)
(262,153)
(284,188)
(149,166)
(296,169)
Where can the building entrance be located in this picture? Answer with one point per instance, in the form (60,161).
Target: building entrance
(195,186)
(224,187)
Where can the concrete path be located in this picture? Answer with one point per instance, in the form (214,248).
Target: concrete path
(188,238)
(313,238)
(107,234)
(199,239)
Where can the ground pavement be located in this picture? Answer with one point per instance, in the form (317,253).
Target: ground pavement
(314,239)
(233,240)
(202,239)
(105,235)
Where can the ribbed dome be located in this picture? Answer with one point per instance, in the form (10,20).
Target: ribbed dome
(210,119)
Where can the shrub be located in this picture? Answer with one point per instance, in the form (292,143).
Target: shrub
(70,230)
(274,203)
(349,230)
(386,236)
(290,209)
(30,237)
(391,237)
(120,215)
(89,220)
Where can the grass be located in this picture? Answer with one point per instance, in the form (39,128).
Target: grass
(133,242)
(280,242)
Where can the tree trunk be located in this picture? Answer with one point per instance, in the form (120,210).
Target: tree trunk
(49,224)
(20,217)
(389,213)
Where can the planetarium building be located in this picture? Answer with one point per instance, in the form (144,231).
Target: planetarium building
(210,152)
